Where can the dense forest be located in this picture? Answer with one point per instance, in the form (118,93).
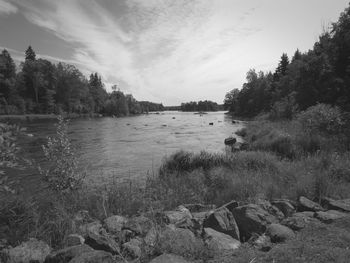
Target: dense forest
(206,105)
(39,86)
(320,75)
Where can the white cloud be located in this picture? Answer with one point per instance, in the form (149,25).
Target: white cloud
(7,8)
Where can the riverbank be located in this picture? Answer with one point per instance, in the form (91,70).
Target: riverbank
(32,117)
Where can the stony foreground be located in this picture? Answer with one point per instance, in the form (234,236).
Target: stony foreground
(276,231)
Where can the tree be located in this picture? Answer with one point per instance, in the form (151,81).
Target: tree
(30,54)
(7,76)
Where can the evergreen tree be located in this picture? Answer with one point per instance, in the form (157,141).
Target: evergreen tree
(30,54)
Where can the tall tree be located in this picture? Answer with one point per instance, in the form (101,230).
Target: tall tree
(30,54)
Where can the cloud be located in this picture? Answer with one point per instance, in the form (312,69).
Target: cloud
(7,8)
(162,50)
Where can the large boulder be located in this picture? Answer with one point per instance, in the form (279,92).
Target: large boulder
(251,219)
(308,205)
(66,254)
(102,241)
(115,223)
(279,233)
(219,242)
(31,251)
(93,257)
(169,258)
(285,206)
(299,220)
(223,221)
(271,209)
(341,205)
(329,216)
(132,248)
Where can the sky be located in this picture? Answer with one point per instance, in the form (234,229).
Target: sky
(166,51)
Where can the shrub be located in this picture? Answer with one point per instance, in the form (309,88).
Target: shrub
(63,174)
(322,118)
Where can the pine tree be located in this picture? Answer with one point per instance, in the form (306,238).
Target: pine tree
(30,54)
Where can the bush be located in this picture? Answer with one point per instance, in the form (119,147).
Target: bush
(286,108)
(63,174)
(322,118)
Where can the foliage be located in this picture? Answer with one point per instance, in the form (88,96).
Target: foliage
(206,105)
(63,174)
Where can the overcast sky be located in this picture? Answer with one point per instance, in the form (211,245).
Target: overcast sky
(168,51)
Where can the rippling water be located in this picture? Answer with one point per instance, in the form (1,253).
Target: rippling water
(132,147)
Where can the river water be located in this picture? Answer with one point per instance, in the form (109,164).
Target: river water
(131,147)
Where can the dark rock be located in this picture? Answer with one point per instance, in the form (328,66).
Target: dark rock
(223,221)
(230,141)
(279,233)
(271,209)
(30,251)
(219,242)
(211,123)
(260,242)
(329,216)
(341,205)
(308,205)
(74,240)
(102,241)
(231,205)
(94,257)
(114,224)
(66,254)
(169,258)
(252,219)
(284,206)
(125,235)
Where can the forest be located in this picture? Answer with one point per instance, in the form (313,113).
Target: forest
(320,75)
(206,105)
(39,86)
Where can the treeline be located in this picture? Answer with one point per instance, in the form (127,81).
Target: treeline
(320,75)
(206,105)
(39,86)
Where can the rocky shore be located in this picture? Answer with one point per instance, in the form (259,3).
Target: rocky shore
(189,233)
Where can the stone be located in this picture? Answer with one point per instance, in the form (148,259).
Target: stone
(66,254)
(219,242)
(80,218)
(74,240)
(223,221)
(181,213)
(133,248)
(231,205)
(125,235)
(169,258)
(279,233)
(139,225)
(271,209)
(329,216)
(197,208)
(114,224)
(230,141)
(179,241)
(308,205)
(93,257)
(32,250)
(341,205)
(252,219)
(298,220)
(94,227)
(261,242)
(284,206)
(102,241)
(151,240)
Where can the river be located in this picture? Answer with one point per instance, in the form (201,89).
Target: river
(131,147)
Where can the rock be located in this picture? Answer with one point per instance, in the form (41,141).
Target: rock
(231,205)
(133,248)
(30,251)
(174,217)
(271,209)
(102,241)
(196,208)
(299,220)
(93,257)
(114,224)
(169,258)
(262,242)
(151,241)
(74,240)
(223,221)
(219,242)
(211,123)
(179,241)
(284,206)
(252,219)
(329,216)
(308,205)
(139,225)
(66,254)
(230,141)
(94,227)
(80,218)
(341,205)
(279,233)
(125,235)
